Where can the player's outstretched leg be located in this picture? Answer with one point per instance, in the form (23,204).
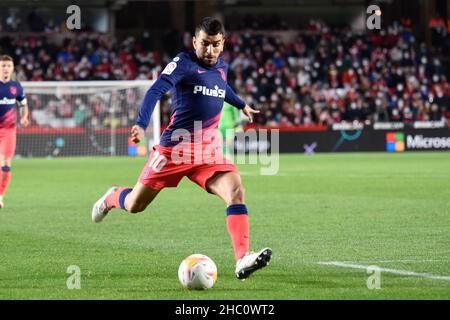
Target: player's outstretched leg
(131,200)
(228,186)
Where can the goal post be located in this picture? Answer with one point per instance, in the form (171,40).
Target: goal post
(85,118)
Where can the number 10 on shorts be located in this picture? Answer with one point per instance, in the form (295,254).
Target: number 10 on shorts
(157,162)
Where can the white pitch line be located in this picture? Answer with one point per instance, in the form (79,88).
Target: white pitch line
(411,261)
(393,271)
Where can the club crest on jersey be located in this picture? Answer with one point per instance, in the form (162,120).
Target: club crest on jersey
(216,92)
(222,74)
(169,68)
(13,90)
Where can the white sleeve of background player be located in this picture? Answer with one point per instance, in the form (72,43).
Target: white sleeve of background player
(175,70)
(20,96)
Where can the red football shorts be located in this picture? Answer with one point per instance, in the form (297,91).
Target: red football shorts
(8,142)
(161,171)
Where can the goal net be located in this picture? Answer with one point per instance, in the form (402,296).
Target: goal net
(85,118)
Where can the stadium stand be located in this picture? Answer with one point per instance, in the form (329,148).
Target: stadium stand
(318,76)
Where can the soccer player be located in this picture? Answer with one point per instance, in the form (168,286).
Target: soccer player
(198,80)
(228,124)
(11,92)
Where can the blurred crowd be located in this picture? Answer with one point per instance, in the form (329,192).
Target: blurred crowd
(321,76)
(326,76)
(88,56)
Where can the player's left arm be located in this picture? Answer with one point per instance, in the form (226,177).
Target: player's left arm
(232,98)
(23,107)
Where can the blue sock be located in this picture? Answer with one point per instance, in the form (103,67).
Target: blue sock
(122,197)
(237,209)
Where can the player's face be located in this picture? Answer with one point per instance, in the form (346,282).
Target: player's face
(6,70)
(208,48)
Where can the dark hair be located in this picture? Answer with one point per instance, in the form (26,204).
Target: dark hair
(210,26)
(6,58)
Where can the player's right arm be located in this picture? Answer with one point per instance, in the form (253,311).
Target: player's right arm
(160,87)
(170,76)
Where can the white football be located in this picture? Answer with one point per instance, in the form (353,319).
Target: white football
(197,272)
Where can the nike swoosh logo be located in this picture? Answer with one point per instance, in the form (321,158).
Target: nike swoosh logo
(201,71)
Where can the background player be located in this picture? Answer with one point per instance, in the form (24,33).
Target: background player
(11,92)
(198,81)
(230,122)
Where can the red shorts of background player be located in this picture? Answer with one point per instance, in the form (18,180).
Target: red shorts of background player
(161,172)
(8,142)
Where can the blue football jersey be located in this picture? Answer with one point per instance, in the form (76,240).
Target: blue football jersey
(198,94)
(10,93)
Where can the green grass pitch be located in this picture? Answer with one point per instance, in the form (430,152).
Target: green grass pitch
(387,210)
